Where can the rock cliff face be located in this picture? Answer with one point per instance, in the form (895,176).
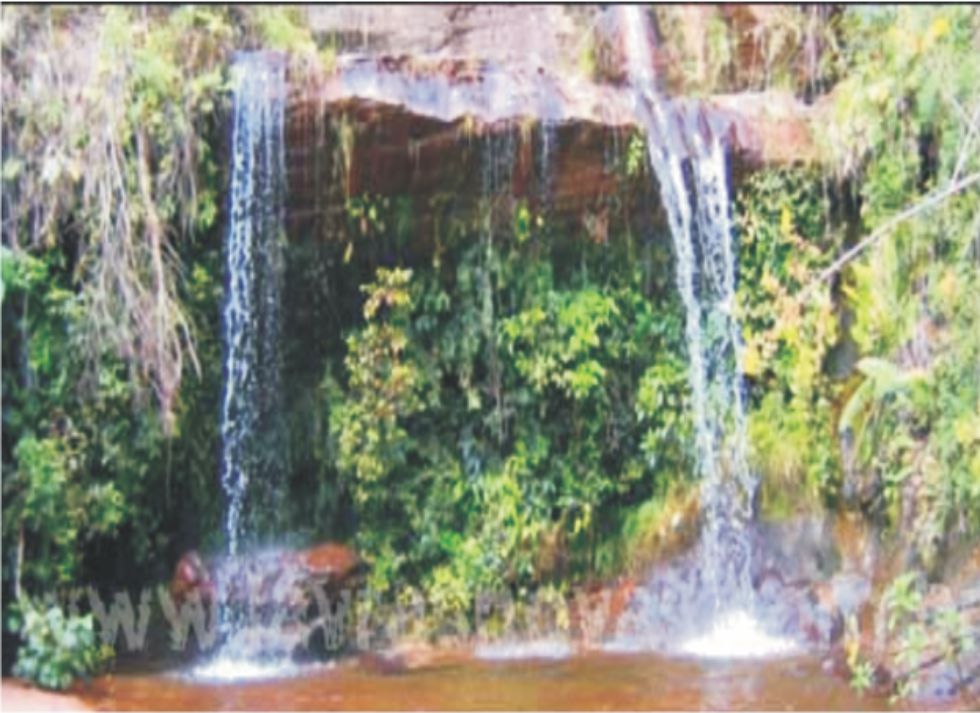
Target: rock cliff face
(421,99)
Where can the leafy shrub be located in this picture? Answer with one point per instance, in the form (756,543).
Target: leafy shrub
(922,635)
(57,649)
(49,501)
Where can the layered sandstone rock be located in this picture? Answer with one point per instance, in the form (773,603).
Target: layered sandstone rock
(419,97)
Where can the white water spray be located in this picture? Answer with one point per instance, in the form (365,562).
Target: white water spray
(738,635)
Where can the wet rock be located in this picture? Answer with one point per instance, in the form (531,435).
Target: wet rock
(415,131)
(21,696)
(801,549)
(426,90)
(941,675)
(799,595)
(383,663)
(943,668)
(191,577)
(261,575)
(284,601)
(410,656)
(850,591)
(673,532)
(668,605)
(331,563)
(511,35)
(595,611)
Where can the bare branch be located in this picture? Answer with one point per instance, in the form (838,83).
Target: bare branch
(930,201)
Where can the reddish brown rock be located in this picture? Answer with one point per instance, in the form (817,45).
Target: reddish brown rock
(417,97)
(191,577)
(266,576)
(332,563)
(622,594)
(412,656)
(595,610)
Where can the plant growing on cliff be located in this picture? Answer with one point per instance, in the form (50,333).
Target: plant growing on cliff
(384,386)
(78,466)
(786,237)
(103,120)
(111,271)
(107,117)
(904,127)
(50,504)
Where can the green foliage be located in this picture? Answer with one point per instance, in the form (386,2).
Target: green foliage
(108,127)
(384,386)
(508,408)
(57,649)
(955,635)
(721,49)
(907,70)
(105,115)
(907,306)
(902,600)
(662,407)
(879,417)
(922,635)
(51,504)
(862,670)
(284,29)
(785,239)
(862,675)
(109,292)
(662,525)
(80,456)
(493,413)
(902,126)
(636,155)
(555,345)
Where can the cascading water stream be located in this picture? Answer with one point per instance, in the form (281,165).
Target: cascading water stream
(251,428)
(689,161)
(250,335)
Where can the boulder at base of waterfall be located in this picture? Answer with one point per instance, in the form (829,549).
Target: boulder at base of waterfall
(334,565)
(191,578)
(595,610)
(800,595)
(300,599)
(257,575)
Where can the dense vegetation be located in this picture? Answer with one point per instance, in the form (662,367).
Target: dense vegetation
(504,406)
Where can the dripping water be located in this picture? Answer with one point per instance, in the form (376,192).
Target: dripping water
(548,144)
(497,159)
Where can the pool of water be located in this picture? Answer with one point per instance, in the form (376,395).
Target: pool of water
(602,681)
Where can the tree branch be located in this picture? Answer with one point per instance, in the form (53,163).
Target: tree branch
(925,204)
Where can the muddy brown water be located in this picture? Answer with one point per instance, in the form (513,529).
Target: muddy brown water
(594,681)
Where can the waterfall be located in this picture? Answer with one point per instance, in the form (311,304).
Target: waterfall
(252,429)
(251,456)
(689,161)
